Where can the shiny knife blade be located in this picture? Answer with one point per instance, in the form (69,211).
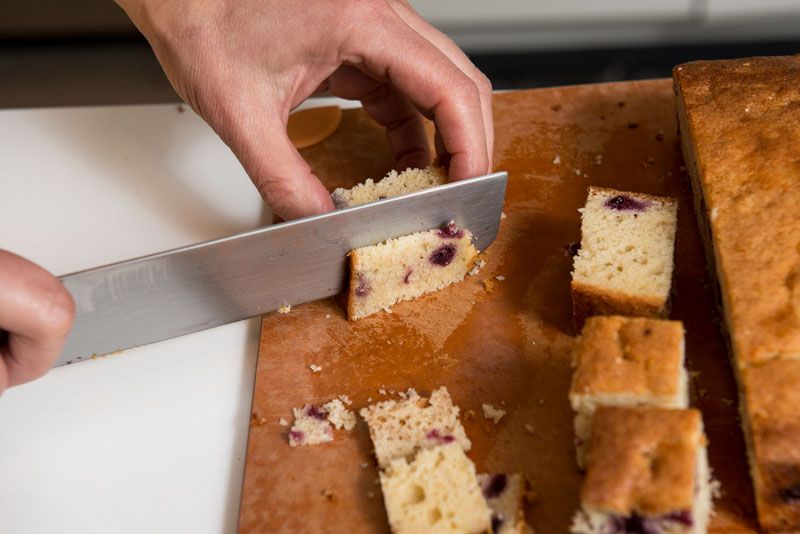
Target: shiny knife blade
(169,294)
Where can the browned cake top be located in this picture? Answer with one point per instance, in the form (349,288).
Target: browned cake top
(744,119)
(642,460)
(772,393)
(628,355)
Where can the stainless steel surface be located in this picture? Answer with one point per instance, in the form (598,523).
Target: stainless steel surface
(185,290)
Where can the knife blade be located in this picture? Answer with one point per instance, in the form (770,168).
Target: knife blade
(185,290)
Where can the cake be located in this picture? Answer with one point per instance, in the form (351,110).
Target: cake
(400,428)
(436,492)
(339,415)
(392,185)
(407,267)
(625,261)
(311,426)
(740,132)
(626,361)
(647,471)
(505,495)
(772,398)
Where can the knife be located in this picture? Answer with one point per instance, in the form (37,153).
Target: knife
(177,292)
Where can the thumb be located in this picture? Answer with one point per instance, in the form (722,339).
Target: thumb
(280,173)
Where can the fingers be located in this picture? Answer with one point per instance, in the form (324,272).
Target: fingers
(405,130)
(281,175)
(393,51)
(36,311)
(457,56)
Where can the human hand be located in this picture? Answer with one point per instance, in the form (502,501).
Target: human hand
(243,66)
(36,313)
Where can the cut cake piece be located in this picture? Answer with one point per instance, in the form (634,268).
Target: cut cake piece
(400,428)
(437,492)
(311,426)
(407,267)
(505,495)
(626,361)
(647,472)
(771,422)
(392,185)
(625,261)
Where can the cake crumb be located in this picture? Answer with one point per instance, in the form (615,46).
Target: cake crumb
(500,278)
(283,422)
(714,213)
(369,399)
(529,429)
(557,160)
(345,399)
(382,391)
(598,159)
(477,267)
(469,415)
(327,315)
(364,465)
(328,494)
(490,412)
(256,420)
(284,308)
(488,286)
(315,368)
(502,215)
(747,109)
(388,342)
(339,415)
(578,172)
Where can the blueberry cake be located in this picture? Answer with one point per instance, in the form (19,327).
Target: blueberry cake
(392,185)
(647,472)
(407,267)
(311,426)
(505,495)
(625,261)
(400,428)
(626,361)
(740,132)
(436,492)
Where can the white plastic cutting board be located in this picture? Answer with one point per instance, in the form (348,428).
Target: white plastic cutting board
(152,439)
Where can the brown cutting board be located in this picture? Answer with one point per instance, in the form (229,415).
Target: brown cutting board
(507,344)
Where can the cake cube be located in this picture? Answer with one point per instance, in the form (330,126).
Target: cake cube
(647,471)
(771,422)
(392,185)
(625,262)
(626,361)
(400,428)
(407,267)
(311,426)
(505,495)
(437,492)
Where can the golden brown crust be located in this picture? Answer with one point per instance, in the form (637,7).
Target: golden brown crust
(607,191)
(351,288)
(630,355)
(642,460)
(772,396)
(742,120)
(588,301)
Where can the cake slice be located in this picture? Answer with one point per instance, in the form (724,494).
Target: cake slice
(392,185)
(626,361)
(624,265)
(400,428)
(505,495)
(437,492)
(647,471)
(771,422)
(407,267)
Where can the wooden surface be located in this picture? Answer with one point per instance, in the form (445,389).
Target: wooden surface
(508,346)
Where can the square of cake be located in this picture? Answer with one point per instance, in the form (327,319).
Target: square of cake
(437,492)
(626,361)
(625,262)
(392,185)
(771,423)
(407,267)
(310,427)
(400,428)
(505,495)
(647,471)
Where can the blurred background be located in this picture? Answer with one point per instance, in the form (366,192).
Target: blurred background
(86,52)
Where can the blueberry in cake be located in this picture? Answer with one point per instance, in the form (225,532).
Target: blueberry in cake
(647,473)
(625,261)
(392,185)
(505,495)
(626,361)
(436,492)
(407,267)
(400,428)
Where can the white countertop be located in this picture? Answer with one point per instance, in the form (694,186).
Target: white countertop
(152,439)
